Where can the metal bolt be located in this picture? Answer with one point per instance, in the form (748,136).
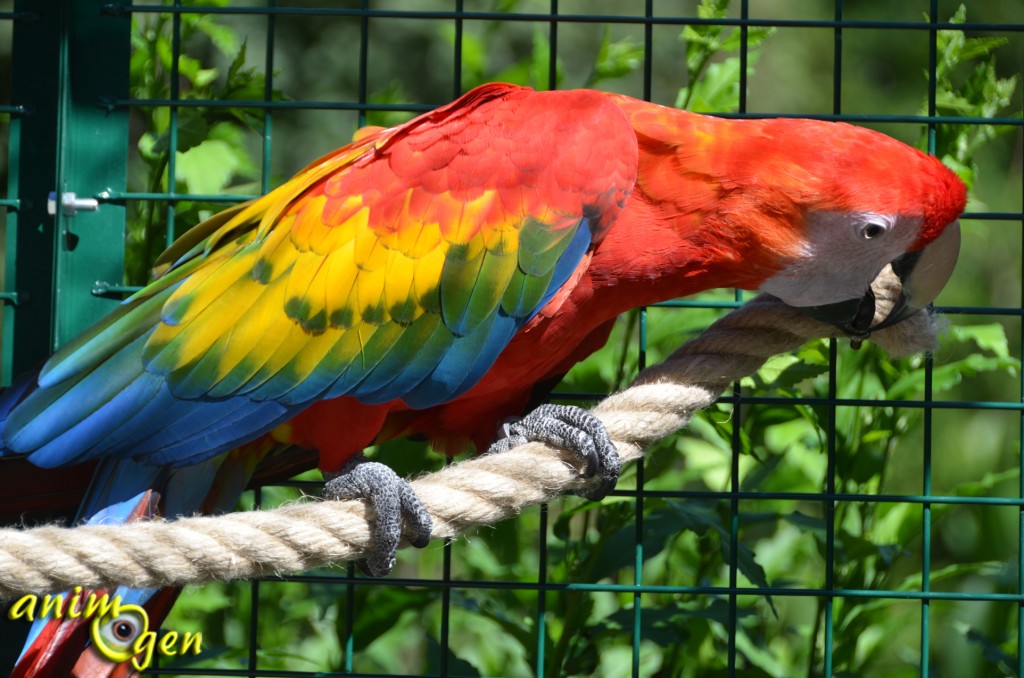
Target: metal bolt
(70,204)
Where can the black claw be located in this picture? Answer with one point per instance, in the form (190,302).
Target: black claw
(392,499)
(575,429)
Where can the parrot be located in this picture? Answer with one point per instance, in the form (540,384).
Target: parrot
(437,278)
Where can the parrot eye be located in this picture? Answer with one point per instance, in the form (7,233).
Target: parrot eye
(872,230)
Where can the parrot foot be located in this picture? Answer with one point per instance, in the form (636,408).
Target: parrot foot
(392,500)
(575,429)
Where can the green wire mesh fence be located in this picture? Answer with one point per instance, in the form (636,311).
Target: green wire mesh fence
(838,514)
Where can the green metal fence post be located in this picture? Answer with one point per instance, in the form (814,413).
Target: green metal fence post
(92,161)
(71,58)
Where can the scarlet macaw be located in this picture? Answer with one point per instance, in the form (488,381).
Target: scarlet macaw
(432,277)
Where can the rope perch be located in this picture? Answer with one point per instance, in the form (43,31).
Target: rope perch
(479,491)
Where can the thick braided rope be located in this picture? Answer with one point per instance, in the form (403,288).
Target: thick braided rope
(479,491)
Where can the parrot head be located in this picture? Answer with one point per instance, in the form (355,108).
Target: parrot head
(867,206)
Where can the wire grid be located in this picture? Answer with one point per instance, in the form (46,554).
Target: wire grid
(736,497)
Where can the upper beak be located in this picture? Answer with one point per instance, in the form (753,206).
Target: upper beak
(905,286)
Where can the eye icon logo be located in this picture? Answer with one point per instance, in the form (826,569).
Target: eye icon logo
(123,635)
(120,637)
(119,632)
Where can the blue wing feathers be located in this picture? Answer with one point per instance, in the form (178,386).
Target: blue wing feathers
(220,432)
(416,354)
(466,361)
(120,410)
(49,412)
(168,426)
(87,438)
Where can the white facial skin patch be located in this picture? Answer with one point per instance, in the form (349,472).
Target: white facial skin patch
(842,255)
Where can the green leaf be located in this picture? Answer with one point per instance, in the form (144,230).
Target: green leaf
(380,607)
(456,665)
(699,518)
(964,171)
(494,609)
(990,337)
(755,36)
(913,582)
(785,372)
(237,63)
(747,563)
(876,435)
(945,377)
(813,524)
(856,548)
(615,59)
(718,90)
(193,128)
(224,37)
(619,552)
(712,9)
(990,481)
(208,167)
(668,626)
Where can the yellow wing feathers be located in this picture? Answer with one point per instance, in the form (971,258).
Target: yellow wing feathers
(404,233)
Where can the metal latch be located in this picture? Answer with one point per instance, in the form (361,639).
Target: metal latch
(70,204)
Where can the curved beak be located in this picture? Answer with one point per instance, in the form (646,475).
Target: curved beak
(905,286)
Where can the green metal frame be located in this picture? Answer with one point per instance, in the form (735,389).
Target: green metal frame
(60,270)
(62,141)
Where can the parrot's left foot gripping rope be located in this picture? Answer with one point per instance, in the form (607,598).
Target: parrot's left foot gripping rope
(479,491)
(392,500)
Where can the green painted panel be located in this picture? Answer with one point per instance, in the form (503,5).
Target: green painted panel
(92,160)
(29,239)
(67,57)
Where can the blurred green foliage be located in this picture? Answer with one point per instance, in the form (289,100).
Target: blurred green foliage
(981,92)
(499,623)
(713,63)
(210,151)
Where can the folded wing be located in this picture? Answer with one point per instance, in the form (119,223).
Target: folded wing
(396,267)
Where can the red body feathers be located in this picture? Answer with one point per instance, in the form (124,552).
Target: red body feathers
(717,203)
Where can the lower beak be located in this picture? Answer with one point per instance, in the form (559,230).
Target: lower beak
(905,286)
